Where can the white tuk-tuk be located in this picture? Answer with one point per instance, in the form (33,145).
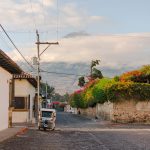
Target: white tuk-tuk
(47,119)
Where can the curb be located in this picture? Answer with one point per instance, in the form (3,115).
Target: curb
(22,131)
(11,135)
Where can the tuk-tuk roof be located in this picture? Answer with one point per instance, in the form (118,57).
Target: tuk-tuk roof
(45,109)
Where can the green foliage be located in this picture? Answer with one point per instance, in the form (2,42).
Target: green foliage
(96,93)
(50,90)
(76,100)
(130,85)
(116,78)
(146,69)
(128,90)
(96,74)
(99,91)
(60,98)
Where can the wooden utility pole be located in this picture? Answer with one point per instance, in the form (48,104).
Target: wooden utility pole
(38,73)
(46,90)
(38,65)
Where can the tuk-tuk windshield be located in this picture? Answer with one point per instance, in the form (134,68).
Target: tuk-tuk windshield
(47,114)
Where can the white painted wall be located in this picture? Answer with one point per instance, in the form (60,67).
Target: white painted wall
(22,89)
(4,97)
(19,117)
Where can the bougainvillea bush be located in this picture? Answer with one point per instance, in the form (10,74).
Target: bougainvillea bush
(92,93)
(131,85)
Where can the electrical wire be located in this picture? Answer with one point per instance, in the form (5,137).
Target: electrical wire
(16,47)
(34,21)
(47,31)
(60,73)
(57,28)
(5,42)
(42,1)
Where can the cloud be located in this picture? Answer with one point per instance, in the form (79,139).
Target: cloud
(113,50)
(76,34)
(48,2)
(74,16)
(42,14)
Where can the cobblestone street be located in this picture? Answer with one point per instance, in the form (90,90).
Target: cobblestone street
(74,132)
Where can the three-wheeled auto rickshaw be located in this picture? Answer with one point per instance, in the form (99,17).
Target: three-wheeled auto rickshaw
(47,118)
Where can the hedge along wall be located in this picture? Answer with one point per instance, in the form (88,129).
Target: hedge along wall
(128,90)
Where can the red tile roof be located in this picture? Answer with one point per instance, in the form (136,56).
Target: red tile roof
(8,64)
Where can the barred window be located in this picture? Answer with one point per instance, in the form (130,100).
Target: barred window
(20,103)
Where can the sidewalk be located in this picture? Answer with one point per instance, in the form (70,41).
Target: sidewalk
(11,132)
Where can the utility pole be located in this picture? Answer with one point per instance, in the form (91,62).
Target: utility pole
(46,91)
(38,73)
(38,65)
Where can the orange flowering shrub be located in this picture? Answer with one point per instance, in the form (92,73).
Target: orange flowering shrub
(129,76)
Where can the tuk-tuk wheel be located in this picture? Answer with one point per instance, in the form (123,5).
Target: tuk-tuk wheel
(53,129)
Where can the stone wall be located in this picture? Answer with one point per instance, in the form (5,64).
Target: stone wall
(89,112)
(124,111)
(131,111)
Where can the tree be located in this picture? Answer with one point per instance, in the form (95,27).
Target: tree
(93,64)
(66,97)
(50,90)
(96,74)
(56,97)
(81,82)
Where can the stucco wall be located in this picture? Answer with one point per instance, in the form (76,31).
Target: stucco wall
(4,97)
(19,117)
(23,89)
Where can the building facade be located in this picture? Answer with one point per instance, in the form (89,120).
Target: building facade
(7,69)
(25,98)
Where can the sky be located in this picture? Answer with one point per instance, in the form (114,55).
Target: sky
(115,31)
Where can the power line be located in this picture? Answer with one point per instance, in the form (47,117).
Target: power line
(44,17)
(47,31)
(16,47)
(60,73)
(57,30)
(5,41)
(34,21)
